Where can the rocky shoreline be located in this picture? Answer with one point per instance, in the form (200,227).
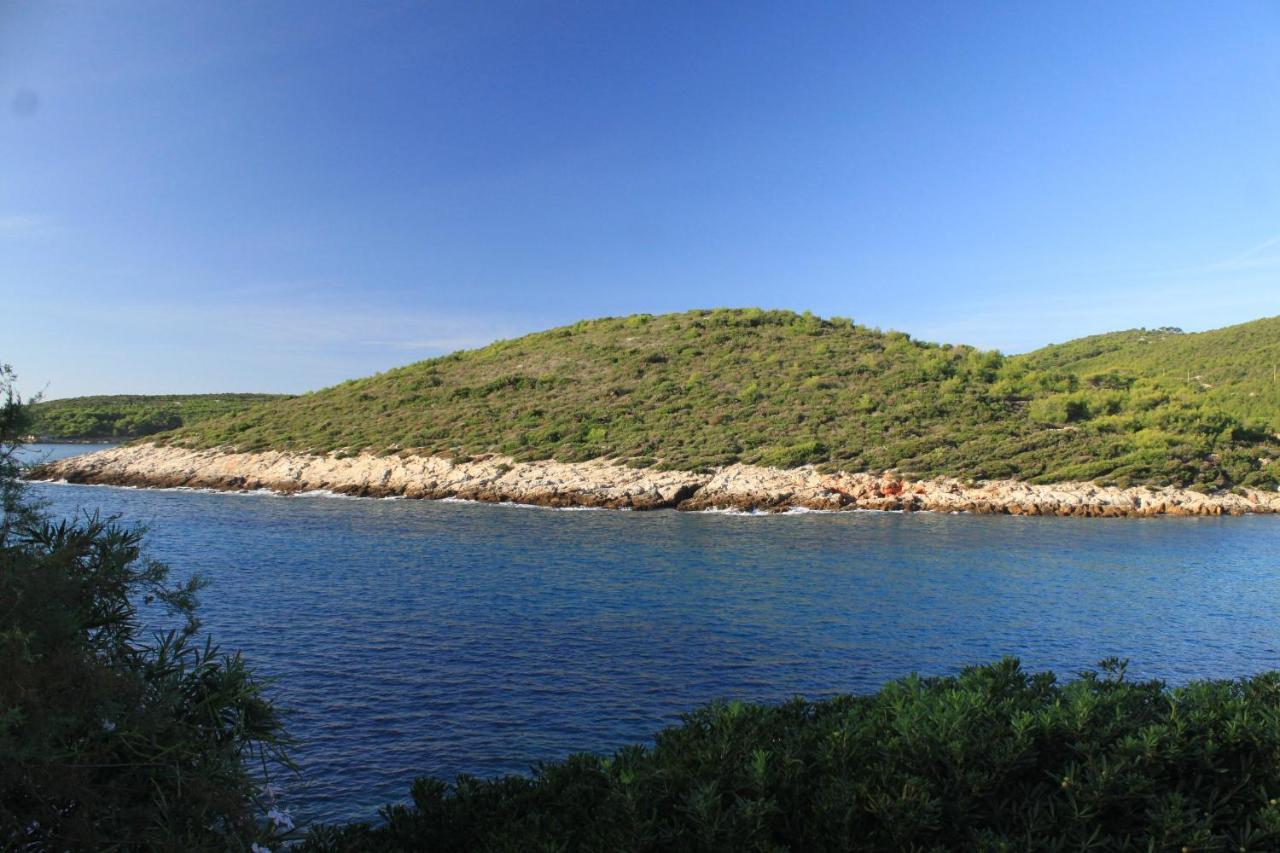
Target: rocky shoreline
(605,485)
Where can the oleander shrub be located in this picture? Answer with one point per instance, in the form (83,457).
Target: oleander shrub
(15,420)
(993,759)
(113,737)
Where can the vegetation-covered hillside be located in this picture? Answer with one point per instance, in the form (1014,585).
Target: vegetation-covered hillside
(1236,369)
(132,415)
(708,388)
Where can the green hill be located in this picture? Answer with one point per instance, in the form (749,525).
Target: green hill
(132,415)
(708,388)
(1236,369)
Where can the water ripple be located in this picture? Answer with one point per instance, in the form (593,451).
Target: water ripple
(441,637)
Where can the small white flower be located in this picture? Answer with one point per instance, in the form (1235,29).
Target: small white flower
(281,819)
(258,848)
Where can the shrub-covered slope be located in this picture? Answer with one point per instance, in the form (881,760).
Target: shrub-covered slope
(708,388)
(132,415)
(1236,369)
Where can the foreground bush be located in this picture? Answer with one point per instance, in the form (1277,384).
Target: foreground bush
(994,759)
(111,739)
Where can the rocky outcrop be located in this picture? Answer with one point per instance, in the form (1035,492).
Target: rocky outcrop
(750,487)
(496,479)
(603,484)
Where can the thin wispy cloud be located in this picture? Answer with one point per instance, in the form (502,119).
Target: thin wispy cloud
(330,327)
(24,225)
(440,344)
(1261,256)
(158,346)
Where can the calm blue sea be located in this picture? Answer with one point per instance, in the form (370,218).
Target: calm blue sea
(418,637)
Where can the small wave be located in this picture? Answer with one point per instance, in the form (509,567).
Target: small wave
(768,513)
(65,482)
(519,505)
(205,490)
(322,493)
(804,510)
(332,495)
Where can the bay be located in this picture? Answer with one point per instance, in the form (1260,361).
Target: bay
(417,637)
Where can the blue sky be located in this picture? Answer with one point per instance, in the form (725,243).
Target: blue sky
(276,196)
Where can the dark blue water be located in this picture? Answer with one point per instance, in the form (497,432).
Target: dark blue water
(420,637)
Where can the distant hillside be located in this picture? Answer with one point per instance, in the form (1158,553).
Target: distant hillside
(133,416)
(708,388)
(1236,369)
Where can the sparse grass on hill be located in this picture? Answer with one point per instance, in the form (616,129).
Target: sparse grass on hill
(708,388)
(132,415)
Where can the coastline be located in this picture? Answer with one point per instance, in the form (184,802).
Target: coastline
(604,485)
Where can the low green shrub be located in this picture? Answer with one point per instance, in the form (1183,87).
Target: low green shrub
(109,739)
(994,759)
(797,454)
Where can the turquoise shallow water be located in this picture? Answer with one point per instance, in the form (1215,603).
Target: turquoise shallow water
(437,637)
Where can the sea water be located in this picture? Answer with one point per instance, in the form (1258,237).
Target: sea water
(420,637)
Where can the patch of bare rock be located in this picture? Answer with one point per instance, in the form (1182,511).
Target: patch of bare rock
(606,485)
